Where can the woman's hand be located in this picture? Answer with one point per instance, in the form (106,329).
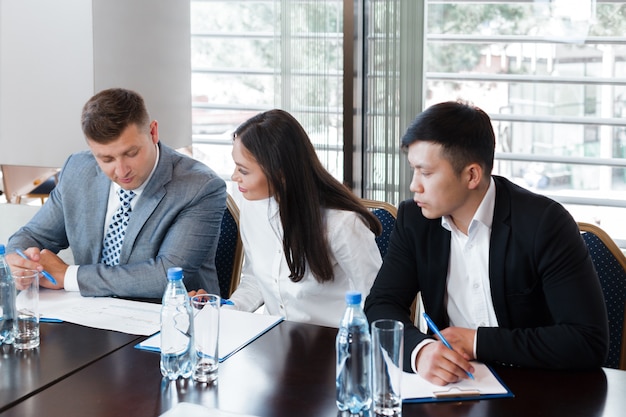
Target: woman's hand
(198,292)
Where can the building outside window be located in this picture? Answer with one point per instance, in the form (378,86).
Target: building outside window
(550,75)
(552,78)
(251,56)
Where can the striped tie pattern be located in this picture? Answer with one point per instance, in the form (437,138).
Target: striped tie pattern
(114,237)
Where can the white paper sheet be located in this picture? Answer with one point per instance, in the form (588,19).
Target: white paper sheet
(132,317)
(194,410)
(237,329)
(414,387)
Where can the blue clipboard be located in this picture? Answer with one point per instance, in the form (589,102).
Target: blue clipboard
(465,393)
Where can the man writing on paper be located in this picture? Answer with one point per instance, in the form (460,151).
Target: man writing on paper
(129,209)
(502,271)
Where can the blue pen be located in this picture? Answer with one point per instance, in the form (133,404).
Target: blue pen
(49,320)
(432,326)
(44,273)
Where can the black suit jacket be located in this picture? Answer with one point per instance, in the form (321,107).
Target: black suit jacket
(545,291)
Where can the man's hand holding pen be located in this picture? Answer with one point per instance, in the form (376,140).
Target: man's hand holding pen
(47,263)
(447,361)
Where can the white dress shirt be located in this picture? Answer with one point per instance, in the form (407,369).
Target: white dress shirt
(265,274)
(468,290)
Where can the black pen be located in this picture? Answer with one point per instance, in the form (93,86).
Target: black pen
(44,273)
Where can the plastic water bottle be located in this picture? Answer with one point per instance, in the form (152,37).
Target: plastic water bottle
(176,328)
(353,346)
(7,300)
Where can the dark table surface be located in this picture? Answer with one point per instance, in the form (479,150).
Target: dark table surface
(64,349)
(289,372)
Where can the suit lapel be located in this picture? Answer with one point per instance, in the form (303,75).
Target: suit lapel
(500,233)
(99,204)
(148,202)
(434,285)
(440,270)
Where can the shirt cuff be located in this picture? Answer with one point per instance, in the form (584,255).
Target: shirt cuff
(475,343)
(417,350)
(71,278)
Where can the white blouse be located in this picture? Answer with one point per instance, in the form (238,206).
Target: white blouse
(265,274)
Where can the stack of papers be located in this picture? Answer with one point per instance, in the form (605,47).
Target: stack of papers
(237,329)
(132,317)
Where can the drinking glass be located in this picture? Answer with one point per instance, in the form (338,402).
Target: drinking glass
(26,323)
(206,309)
(387,354)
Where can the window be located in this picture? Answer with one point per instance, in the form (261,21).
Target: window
(254,55)
(548,74)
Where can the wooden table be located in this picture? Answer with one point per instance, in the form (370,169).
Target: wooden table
(289,372)
(64,349)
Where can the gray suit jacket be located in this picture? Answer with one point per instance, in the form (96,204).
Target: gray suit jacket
(175,222)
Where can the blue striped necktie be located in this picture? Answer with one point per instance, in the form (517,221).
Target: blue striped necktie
(114,237)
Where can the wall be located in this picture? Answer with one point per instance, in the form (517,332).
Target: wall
(54,55)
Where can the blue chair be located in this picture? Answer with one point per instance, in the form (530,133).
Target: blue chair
(610,264)
(229,255)
(386,214)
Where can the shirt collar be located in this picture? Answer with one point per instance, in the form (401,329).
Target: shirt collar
(484,213)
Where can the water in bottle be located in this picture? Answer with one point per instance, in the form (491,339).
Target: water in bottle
(176,328)
(7,301)
(353,358)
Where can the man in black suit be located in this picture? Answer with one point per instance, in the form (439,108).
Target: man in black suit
(504,272)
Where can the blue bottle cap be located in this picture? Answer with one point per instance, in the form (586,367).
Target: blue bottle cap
(353,297)
(175,273)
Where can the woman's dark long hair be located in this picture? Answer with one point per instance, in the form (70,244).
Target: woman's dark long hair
(302,188)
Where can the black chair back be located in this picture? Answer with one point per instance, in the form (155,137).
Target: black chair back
(229,254)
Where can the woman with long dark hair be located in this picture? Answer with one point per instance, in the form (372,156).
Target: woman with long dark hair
(307,238)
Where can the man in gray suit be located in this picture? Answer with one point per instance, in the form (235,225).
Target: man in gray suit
(173,218)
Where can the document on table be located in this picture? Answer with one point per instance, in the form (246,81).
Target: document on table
(133,317)
(486,384)
(189,409)
(237,329)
